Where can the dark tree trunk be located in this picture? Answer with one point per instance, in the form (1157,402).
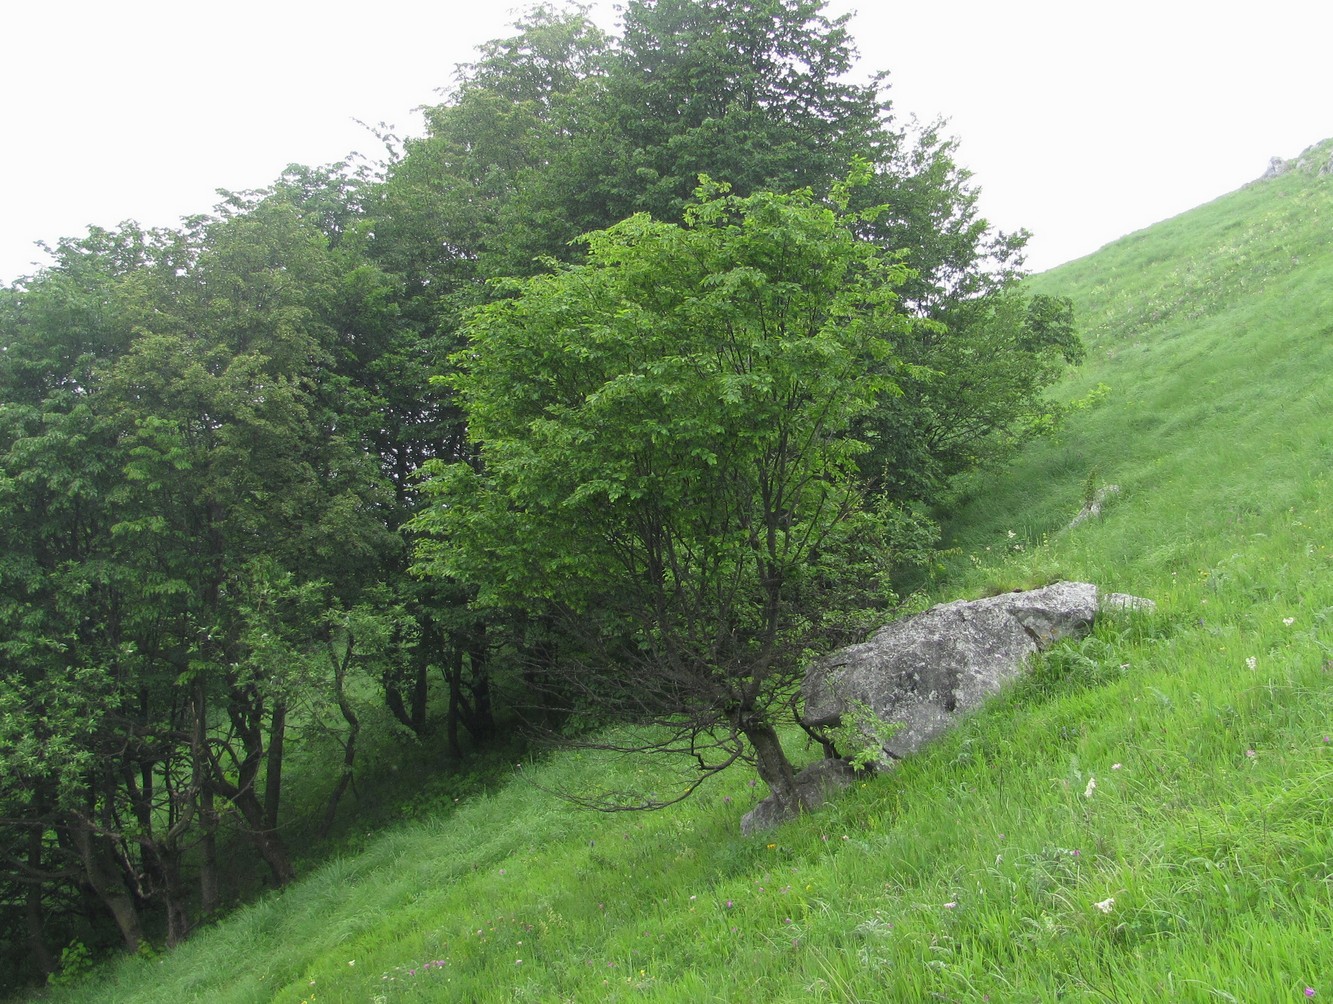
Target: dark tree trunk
(353,731)
(159,856)
(550,696)
(106,879)
(175,898)
(277,740)
(393,699)
(774,768)
(209,898)
(265,838)
(246,712)
(482,722)
(161,883)
(339,789)
(454,677)
(470,693)
(42,956)
(411,712)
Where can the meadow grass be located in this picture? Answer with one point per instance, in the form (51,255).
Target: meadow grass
(1146,815)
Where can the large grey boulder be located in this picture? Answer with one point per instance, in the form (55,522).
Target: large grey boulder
(922,672)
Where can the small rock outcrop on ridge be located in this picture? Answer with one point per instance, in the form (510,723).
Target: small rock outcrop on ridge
(1276,168)
(1316,159)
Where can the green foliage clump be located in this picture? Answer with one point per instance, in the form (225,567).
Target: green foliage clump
(76,963)
(861,736)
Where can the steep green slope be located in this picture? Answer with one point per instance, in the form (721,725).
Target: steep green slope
(1149,816)
(1207,389)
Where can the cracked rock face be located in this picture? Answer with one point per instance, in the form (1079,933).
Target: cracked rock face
(922,672)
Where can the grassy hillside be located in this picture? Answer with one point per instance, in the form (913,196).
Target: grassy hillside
(1149,816)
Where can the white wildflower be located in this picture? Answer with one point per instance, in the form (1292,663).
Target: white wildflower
(1106,905)
(1092,786)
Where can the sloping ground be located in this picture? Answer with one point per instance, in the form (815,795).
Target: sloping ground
(1150,816)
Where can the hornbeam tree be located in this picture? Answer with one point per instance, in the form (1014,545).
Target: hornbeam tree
(666,463)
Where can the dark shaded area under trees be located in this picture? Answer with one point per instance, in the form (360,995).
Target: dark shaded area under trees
(213,441)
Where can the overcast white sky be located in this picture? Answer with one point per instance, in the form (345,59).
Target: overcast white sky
(1081,121)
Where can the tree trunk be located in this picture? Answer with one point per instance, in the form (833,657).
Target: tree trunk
(209,898)
(273,775)
(454,677)
(415,683)
(482,723)
(42,956)
(162,865)
(246,710)
(393,699)
(412,712)
(260,829)
(353,731)
(174,897)
(266,839)
(774,768)
(105,878)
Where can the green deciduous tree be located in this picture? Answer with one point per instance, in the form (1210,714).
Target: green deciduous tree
(72,704)
(755,93)
(973,390)
(174,434)
(665,437)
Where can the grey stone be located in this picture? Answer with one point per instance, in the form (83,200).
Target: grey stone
(1093,509)
(1124,601)
(814,785)
(921,673)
